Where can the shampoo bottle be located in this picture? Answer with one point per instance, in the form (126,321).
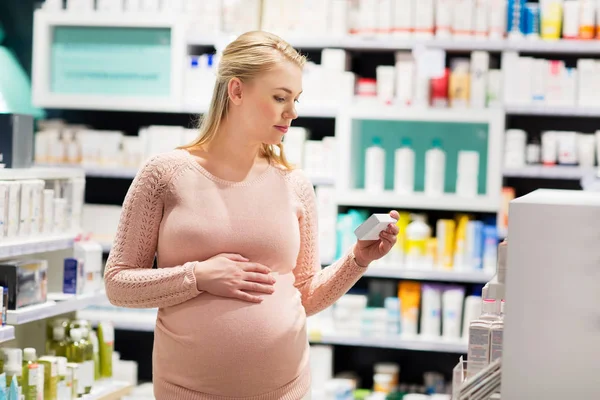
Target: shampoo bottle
(404,168)
(76,353)
(417,234)
(106,339)
(435,169)
(88,364)
(58,345)
(30,374)
(375,167)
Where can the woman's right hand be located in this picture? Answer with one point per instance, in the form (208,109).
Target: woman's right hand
(233,276)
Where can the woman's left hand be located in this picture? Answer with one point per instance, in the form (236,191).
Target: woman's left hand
(367,251)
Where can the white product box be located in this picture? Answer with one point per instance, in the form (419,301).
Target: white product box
(60,215)
(25,208)
(3,208)
(335,60)
(480,65)
(587,87)
(463,22)
(14,209)
(385,17)
(339,18)
(373,226)
(404,18)
(424,19)
(48,211)
(293,144)
(37,194)
(405,79)
(110,5)
(552,247)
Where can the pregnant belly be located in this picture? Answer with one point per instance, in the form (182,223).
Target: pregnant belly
(233,348)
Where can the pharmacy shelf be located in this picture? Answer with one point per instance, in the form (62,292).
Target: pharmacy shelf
(20,247)
(547,172)
(109,390)
(416,343)
(383,271)
(587,47)
(7,333)
(57,304)
(554,111)
(45,173)
(123,319)
(417,201)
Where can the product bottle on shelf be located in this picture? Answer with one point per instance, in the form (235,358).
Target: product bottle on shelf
(404,168)
(435,169)
(58,345)
(375,167)
(76,355)
(96,347)
(88,364)
(106,339)
(478,353)
(417,234)
(497,336)
(13,367)
(30,374)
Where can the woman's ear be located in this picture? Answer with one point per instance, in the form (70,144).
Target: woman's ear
(234,90)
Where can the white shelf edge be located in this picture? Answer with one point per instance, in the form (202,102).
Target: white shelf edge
(53,308)
(416,343)
(15,247)
(139,321)
(7,333)
(548,172)
(428,275)
(547,110)
(388,199)
(108,390)
(41,172)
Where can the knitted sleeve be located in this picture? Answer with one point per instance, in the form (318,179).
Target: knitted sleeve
(129,278)
(320,288)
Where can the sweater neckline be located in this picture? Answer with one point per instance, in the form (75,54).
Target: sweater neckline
(221,181)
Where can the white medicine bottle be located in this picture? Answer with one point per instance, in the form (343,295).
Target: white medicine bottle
(375,167)
(435,169)
(404,168)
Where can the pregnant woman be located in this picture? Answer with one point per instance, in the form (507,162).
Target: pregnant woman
(234,230)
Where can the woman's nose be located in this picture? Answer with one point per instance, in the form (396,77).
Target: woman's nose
(291,113)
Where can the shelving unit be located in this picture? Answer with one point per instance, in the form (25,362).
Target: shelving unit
(128,319)
(7,333)
(449,202)
(383,271)
(24,246)
(62,305)
(389,342)
(547,172)
(553,111)
(109,390)
(45,173)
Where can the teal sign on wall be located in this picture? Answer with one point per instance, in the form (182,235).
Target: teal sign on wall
(454,137)
(111,61)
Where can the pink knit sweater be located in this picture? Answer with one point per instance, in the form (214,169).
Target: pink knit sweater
(214,348)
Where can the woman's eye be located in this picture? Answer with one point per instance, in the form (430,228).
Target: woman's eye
(297,101)
(279,99)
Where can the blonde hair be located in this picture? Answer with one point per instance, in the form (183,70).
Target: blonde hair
(245,58)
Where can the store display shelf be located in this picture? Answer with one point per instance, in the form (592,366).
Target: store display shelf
(111,172)
(417,201)
(7,333)
(109,390)
(549,172)
(366,108)
(43,244)
(57,304)
(555,46)
(554,111)
(416,343)
(386,271)
(41,172)
(127,320)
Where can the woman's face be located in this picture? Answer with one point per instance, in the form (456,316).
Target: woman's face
(268,102)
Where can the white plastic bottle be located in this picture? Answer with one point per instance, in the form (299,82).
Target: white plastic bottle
(375,167)
(478,353)
(417,234)
(497,336)
(435,169)
(404,168)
